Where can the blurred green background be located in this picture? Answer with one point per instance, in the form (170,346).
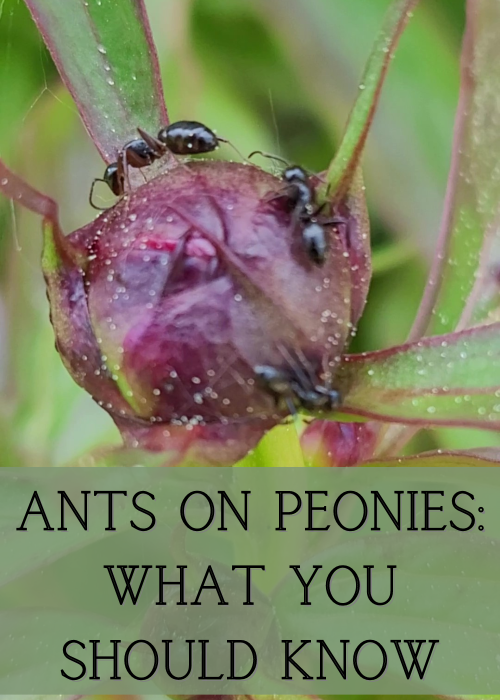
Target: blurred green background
(278,75)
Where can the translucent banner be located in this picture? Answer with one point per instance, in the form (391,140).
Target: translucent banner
(241,581)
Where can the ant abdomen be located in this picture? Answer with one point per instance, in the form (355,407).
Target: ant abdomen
(315,242)
(185,138)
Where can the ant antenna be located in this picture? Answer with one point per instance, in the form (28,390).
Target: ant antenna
(91,201)
(233,147)
(268,155)
(307,365)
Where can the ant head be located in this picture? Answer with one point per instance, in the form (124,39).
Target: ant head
(295,173)
(110,177)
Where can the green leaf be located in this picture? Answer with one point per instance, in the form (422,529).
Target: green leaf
(391,257)
(106,57)
(56,246)
(335,38)
(444,380)
(462,289)
(51,419)
(347,158)
(358,244)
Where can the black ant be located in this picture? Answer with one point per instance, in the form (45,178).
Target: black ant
(302,197)
(281,386)
(180,138)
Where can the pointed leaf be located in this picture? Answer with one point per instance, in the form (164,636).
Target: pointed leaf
(105,55)
(15,188)
(357,242)
(358,245)
(444,380)
(335,38)
(56,246)
(462,289)
(346,161)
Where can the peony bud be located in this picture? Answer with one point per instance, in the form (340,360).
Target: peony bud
(332,444)
(165,304)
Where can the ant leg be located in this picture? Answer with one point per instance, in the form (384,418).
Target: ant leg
(284,192)
(91,200)
(268,155)
(336,221)
(125,170)
(303,372)
(122,172)
(318,210)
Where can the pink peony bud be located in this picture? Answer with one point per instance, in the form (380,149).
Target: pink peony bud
(331,444)
(165,304)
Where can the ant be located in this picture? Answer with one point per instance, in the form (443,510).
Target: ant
(302,197)
(180,138)
(280,385)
